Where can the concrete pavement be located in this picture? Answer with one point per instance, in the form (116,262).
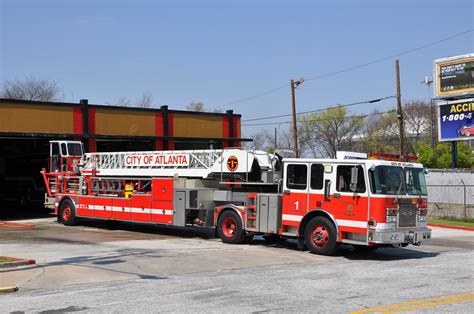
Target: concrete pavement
(102,268)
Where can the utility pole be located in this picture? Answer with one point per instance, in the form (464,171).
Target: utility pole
(276,139)
(400,111)
(293,105)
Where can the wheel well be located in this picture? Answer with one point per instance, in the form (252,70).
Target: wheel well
(226,209)
(316,213)
(63,200)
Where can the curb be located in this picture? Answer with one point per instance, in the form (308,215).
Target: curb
(9,224)
(16,262)
(8,289)
(452,227)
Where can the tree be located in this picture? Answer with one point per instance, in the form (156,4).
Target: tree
(262,140)
(200,107)
(379,133)
(31,88)
(146,101)
(331,130)
(195,106)
(441,156)
(418,120)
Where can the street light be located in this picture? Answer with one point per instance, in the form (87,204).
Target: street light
(295,84)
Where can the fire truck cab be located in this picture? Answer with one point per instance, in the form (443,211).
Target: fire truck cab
(365,202)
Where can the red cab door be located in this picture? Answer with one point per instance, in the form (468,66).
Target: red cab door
(295,194)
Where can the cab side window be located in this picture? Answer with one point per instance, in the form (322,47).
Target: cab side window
(296,177)
(63,149)
(344,179)
(317,176)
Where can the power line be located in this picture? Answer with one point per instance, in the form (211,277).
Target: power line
(390,57)
(323,109)
(321,120)
(347,69)
(251,97)
(343,118)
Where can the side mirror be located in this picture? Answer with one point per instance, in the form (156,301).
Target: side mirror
(354,179)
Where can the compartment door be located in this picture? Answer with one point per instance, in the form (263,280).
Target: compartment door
(263,213)
(141,208)
(179,215)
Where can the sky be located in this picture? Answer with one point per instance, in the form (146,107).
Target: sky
(219,52)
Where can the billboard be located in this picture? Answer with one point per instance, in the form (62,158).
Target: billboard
(456,120)
(454,76)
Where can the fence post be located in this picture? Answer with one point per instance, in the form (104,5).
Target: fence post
(465,201)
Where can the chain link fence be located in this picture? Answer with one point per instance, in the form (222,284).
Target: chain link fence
(450,193)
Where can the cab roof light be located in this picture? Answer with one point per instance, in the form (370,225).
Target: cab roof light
(393,157)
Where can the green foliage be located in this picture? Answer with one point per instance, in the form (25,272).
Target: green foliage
(270,149)
(441,156)
(331,130)
(451,221)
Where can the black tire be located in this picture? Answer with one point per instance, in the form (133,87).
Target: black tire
(67,213)
(320,236)
(230,228)
(364,248)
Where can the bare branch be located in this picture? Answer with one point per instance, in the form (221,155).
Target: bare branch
(31,88)
(195,106)
(146,101)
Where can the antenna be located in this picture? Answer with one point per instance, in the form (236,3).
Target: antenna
(428,80)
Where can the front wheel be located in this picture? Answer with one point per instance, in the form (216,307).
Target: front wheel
(320,236)
(67,213)
(230,228)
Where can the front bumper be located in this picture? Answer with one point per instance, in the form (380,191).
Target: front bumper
(400,236)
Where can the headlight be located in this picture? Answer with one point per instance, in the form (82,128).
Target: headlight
(422,218)
(391,219)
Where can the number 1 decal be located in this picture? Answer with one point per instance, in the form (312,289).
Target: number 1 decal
(297,205)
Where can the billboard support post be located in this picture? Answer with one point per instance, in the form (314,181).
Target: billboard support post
(454,157)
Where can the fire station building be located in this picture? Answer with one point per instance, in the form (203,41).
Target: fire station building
(26,127)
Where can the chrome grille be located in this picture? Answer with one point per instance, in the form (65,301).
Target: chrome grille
(406,215)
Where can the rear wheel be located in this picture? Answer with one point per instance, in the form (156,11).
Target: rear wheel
(67,213)
(320,236)
(230,228)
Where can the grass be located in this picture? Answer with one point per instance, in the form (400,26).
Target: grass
(4,260)
(451,221)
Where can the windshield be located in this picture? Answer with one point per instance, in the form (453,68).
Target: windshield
(392,180)
(388,180)
(74,149)
(415,181)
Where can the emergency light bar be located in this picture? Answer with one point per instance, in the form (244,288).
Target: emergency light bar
(393,157)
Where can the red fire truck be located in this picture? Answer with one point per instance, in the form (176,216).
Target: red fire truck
(365,202)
